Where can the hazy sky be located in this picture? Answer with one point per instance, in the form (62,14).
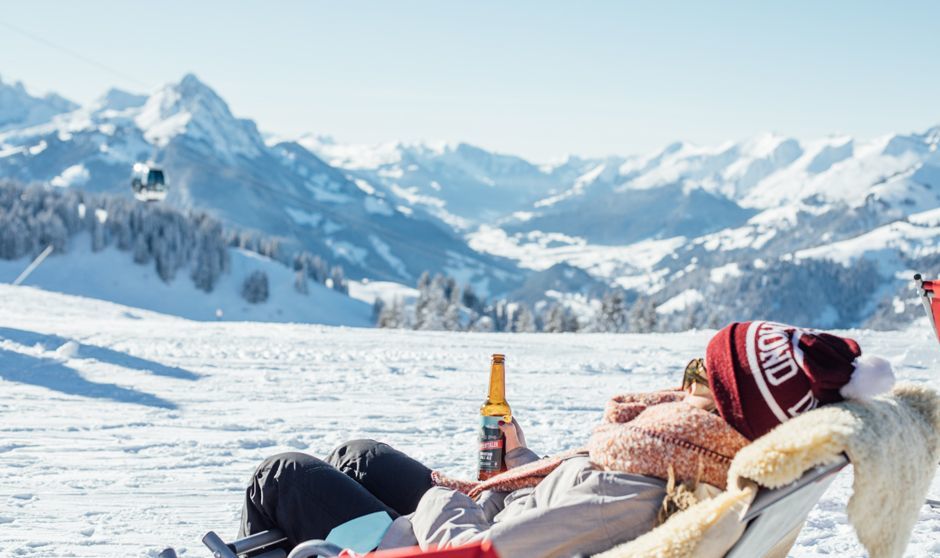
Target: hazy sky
(539,78)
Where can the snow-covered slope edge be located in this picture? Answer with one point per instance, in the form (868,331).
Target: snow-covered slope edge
(151,256)
(112,275)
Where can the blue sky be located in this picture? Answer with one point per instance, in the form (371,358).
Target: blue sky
(540,79)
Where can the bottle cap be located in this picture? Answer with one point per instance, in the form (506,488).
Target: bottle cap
(499,357)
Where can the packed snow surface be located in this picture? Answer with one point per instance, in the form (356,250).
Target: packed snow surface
(124,431)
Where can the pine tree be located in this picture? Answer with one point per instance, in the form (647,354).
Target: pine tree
(614,316)
(378,305)
(570,321)
(449,287)
(431,305)
(470,300)
(424,281)
(522,320)
(554,320)
(423,302)
(560,319)
(98,242)
(141,250)
(317,270)
(300,282)
(451,321)
(692,318)
(338,280)
(499,313)
(483,324)
(210,256)
(392,315)
(52,231)
(255,287)
(643,317)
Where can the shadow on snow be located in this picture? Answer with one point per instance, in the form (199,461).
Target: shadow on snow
(52,374)
(51,342)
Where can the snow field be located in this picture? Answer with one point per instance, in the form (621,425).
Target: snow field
(123,431)
(112,274)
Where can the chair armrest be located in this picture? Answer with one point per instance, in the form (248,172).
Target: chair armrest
(768,497)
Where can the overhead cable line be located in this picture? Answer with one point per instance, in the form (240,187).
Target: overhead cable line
(302,202)
(72,53)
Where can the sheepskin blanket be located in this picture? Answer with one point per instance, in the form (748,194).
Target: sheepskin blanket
(893,442)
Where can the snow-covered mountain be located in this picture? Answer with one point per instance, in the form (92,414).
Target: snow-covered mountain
(218,163)
(698,229)
(733,183)
(460,183)
(715,220)
(18,108)
(694,227)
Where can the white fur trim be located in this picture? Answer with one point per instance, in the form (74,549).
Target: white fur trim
(872,376)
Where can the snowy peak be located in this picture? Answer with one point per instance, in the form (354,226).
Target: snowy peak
(193,109)
(466,185)
(221,164)
(839,149)
(351,156)
(768,170)
(901,144)
(496,169)
(20,109)
(757,159)
(458,182)
(119,100)
(728,169)
(768,145)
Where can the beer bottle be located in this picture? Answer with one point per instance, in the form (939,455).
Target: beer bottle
(494,409)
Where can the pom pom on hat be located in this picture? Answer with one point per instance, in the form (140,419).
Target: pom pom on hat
(872,376)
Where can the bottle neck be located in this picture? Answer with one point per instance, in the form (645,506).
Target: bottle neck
(497,383)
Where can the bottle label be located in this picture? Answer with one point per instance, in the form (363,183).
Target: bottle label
(491,445)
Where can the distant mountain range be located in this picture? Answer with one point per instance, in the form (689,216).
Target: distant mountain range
(757,228)
(221,164)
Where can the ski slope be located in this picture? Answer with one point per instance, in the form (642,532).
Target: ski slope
(112,275)
(123,431)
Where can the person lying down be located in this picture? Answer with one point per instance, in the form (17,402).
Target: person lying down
(654,454)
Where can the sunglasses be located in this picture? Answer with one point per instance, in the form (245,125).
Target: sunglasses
(695,373)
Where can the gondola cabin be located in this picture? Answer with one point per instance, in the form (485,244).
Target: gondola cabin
(148,182)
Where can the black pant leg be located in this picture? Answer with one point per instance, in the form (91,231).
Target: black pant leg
(304,497)
(394,478)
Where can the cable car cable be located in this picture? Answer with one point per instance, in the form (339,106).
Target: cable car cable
(258,184)
(70,52)
(425,250)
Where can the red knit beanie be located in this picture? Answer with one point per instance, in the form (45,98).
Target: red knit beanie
(762,373)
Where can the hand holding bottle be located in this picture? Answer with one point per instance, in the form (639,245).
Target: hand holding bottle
(515,438)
